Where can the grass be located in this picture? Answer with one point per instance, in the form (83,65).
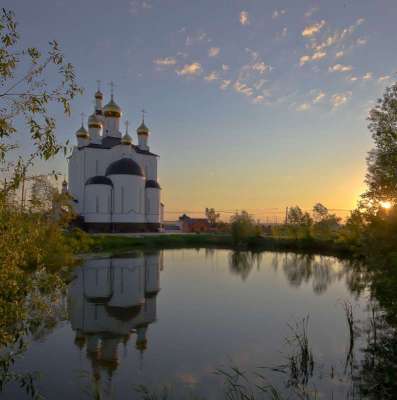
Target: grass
(114,243)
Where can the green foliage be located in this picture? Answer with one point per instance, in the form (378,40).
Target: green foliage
(26,99)
(212,216)
(243,227)
(382,160)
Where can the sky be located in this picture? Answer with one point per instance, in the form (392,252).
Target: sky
(252,104)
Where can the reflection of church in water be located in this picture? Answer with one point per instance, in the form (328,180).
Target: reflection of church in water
(111,300)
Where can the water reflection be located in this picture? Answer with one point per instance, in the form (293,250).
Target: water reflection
(110,301)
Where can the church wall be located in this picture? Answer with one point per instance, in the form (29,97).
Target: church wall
(129,199)
(152,204)
(152,273)
(128,276)
(97,203)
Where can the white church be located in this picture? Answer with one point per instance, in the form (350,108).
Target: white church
(113,181)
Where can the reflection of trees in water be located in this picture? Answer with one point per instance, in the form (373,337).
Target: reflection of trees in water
(320,270)
(242,262)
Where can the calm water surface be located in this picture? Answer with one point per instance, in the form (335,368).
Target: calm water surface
(173,317)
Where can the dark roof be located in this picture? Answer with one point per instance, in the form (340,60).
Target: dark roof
(152,184)
(109,141)
(124,166)
(99,180)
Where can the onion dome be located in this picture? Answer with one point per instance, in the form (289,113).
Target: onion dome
(82,133)
(143,129)
(94,121)
(112,109)
(126,139)
(152,184)
(99,180)
(98,95)
(124,166)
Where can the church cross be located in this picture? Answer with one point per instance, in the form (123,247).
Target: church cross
(82,118)
(143,114)
(111,84)
(126,126)
(98,83)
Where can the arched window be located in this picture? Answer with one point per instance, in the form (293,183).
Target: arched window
(96,167)
(122,199)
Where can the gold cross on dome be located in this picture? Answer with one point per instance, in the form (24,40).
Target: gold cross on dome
(98,84)
(126,123)
(82,118)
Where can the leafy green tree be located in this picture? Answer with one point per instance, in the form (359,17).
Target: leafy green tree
(381,177)
(297,217)
(212,216)
(243,227)
(25,98)
(319,212)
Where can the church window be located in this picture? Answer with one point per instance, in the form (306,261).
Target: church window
(96,167)
(97,204)
(147,206)
(122,199)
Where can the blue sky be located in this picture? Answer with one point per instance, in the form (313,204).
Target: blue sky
(252,104)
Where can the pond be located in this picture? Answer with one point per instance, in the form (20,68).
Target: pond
(173,318)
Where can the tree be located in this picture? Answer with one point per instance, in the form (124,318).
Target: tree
(381,176)
(297,217)
(319,212)
(212,216)
(243,227)
(26,98)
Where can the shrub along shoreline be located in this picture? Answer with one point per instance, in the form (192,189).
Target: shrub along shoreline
(113,243)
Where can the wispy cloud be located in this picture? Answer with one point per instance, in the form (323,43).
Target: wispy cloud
(197,38)
(340,68)
(339,54)
(278,13)
(164,62)
(319,97)
(190,69)
(361,42)
(214,51)
(258,99)
(244,18)
(311,11)
(225,67)
(384,78)
(367,76)
(337,37)
(303,107)
(240,87)
(338,99)
(135,6)
(311,30)
(225,84)
(317,56)
(212,76)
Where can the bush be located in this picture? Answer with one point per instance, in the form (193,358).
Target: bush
(243,227)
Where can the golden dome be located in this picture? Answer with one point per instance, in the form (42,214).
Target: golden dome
(82,133)
(94,121)
(98,95)
(143,129)
(126,139)
(112,109)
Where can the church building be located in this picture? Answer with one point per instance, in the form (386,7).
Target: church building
(112,180)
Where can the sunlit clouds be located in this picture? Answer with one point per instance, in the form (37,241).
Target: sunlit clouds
(311,30)
(278,13)
(213,51)
(166,61)
(190,69)
(339,99)
(244,18)
(340,68)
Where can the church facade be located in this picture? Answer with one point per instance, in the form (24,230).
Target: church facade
(113,182)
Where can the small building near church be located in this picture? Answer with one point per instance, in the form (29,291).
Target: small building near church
(112,180)
(194,225)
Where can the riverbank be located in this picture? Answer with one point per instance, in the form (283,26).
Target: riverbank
(118,243)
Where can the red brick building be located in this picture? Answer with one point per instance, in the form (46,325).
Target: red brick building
(194,225)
